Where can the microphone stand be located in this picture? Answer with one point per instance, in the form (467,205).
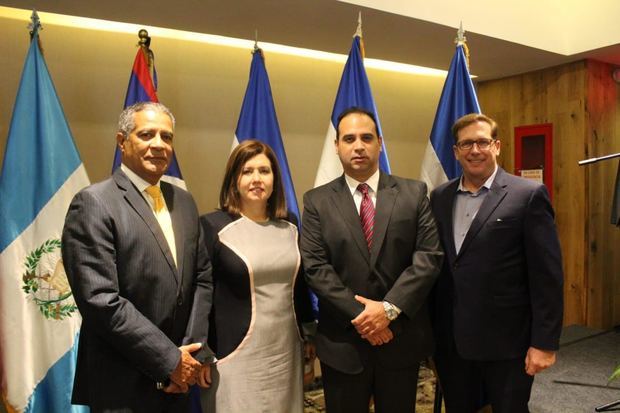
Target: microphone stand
(600,158)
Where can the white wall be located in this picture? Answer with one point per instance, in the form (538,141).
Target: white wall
(204,86)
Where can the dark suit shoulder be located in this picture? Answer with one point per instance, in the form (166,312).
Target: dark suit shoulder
(178,192)
(442,188)
(412,183)
(99,187)
(519,182)
(325,188)
(99,195)
(216,220)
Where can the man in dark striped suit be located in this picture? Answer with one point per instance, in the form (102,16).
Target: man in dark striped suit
(133,252)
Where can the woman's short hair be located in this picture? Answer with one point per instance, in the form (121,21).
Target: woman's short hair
(230,199)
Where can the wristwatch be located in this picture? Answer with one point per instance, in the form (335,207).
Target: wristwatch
(160,385)
(390,311)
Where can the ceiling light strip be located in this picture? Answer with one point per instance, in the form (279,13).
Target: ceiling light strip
(129,28)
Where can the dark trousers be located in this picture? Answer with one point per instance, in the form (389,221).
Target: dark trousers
(467,385)
(155,401)
(393,391)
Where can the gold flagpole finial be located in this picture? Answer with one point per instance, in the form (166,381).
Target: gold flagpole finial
(145,39)
(358,31)
(145,44)
(256,48)
(461,40)
(460,35)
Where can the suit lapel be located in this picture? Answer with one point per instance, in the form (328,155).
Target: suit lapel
(446,216)
(343,201)
(387,191)
(176,217)
(143,209)
(493,199)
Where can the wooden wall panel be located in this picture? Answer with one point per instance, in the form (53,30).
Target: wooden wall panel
(582,102)
(556,96)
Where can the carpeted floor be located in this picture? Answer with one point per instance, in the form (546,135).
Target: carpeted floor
(578,381)
(576,384)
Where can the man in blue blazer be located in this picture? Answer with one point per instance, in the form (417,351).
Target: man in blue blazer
(497,312)
(372,276)
(134,255)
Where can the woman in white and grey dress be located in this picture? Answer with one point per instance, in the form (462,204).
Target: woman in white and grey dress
(260,296)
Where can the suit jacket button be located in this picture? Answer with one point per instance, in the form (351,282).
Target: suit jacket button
(179,301)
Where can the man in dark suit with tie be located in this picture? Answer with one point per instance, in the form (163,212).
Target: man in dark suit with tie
(371,254)
(133,252)
(497,312)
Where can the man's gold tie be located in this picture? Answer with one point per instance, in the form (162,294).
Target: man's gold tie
(155,193)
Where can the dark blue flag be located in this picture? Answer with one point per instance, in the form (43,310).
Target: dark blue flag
(258,120)
(354,90)
(458,98)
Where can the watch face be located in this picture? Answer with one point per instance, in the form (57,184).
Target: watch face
(390,312)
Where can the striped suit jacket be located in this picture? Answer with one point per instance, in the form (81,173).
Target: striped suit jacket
(137,305)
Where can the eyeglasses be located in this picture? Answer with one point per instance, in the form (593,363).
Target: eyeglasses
(468,144)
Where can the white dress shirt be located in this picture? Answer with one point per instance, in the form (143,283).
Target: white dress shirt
(373,185)
(163,216)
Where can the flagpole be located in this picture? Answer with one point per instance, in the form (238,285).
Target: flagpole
(145,44)
(458,98)
(461,40)
(35,23)
(353,90)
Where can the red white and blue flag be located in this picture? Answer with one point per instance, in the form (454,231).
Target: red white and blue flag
(143,88)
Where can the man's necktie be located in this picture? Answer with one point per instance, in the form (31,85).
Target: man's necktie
(367,214)
(155,193)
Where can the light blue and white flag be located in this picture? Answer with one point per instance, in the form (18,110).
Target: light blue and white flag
(354,90)
(458,98)
(39,321)
(258,120)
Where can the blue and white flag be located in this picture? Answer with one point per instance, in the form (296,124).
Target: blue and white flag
(143,88)
(39,321)
(458,98)
(354,90)
(258,120)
